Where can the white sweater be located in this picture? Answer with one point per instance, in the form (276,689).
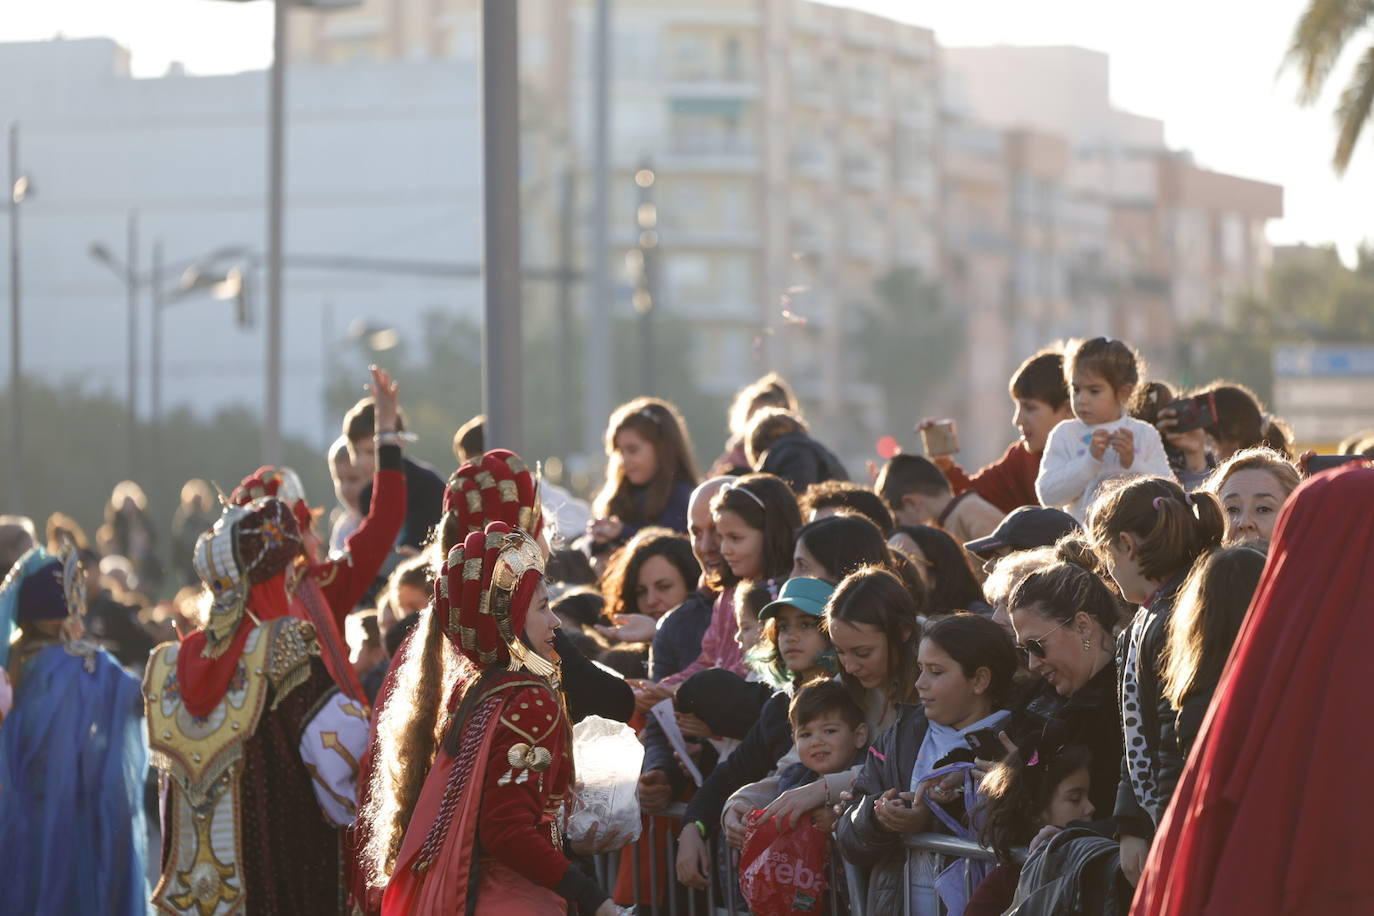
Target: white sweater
(1070,477)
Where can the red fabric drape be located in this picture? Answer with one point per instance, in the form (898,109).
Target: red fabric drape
(1272,811)
(204,680)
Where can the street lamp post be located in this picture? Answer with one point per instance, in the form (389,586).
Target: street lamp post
(19,188)
(501,369)
(131,291)
(126,272)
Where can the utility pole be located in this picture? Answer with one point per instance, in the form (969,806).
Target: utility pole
(155,302)
(18,188)
(271,414)
(596,362)
(501,364)
(155,357)
(646,289)
(567,407)
(131,289)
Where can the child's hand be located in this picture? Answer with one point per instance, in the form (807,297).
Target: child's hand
(648,695)
(693,726)
(791,806)
(605,530)
(1097,446)
(732,823)
(823,819)
(693,859)
(846,797)
(629,628)
(901,812)
(1123,442)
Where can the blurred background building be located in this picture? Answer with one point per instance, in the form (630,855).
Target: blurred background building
(892,225)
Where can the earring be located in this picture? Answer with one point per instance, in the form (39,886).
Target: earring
(1087,643)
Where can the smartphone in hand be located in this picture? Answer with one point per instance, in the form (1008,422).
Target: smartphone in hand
(986,745)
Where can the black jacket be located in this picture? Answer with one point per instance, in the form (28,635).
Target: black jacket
(755,758)
(590,690)
(1158,717)
(677,641)
(1090,718)
(802,461)
(424,502)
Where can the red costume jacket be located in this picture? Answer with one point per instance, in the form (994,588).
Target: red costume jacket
(1008,483)
(489,816)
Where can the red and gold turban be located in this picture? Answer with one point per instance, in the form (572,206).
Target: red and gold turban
(497,487)
(483,594)
(280,483)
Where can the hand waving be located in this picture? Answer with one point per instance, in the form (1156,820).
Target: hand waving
(384,391)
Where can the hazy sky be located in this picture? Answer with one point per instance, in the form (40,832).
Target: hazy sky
(1208,69)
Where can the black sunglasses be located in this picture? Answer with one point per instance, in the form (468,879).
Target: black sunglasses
(1036,647)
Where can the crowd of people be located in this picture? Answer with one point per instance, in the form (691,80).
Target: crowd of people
(1111,657)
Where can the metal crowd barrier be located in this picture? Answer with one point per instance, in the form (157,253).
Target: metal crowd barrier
(847,885)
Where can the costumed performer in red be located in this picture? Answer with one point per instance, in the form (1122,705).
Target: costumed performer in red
(495,487)
(471,774)
(256,746)
(1272,815)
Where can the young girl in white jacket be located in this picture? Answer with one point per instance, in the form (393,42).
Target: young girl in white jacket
(1103,441)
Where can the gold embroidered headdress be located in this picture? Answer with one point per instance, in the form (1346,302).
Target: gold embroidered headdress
(483,594)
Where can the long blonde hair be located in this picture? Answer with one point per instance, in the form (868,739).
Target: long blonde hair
(409,730)
(1210,609)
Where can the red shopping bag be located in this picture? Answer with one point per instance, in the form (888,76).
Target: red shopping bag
(782,872)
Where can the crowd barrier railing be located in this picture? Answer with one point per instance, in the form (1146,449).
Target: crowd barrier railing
(659,891)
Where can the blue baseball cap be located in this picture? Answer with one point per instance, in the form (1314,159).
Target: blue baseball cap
(805,594)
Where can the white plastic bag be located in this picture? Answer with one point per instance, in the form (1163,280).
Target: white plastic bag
(607,756)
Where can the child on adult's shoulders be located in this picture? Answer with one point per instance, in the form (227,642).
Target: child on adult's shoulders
(1040,399)
(1103,441)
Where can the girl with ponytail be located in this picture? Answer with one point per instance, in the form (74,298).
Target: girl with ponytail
(1149,533)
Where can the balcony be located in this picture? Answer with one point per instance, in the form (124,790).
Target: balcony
(814,161)
(862,172)
(684,83)
(706,151)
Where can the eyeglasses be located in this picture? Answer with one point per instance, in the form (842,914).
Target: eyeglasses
(1036,647)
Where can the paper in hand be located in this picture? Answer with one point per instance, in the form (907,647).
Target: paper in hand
(667,720)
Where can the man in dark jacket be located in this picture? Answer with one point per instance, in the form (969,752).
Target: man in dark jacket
(778,442)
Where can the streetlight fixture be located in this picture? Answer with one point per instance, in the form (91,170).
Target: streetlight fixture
(377,337)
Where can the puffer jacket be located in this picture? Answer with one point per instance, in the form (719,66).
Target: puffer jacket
(801,461)
(1158,718)
(1075,873)
(861,840)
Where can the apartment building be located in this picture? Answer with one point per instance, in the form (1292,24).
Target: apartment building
(1110,231)
(794,146)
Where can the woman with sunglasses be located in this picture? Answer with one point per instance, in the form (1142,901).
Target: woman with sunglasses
(1064,616)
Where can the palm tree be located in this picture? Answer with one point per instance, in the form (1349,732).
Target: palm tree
(1321,35)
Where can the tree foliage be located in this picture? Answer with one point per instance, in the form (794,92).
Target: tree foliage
(1322,33)
(1311,297)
